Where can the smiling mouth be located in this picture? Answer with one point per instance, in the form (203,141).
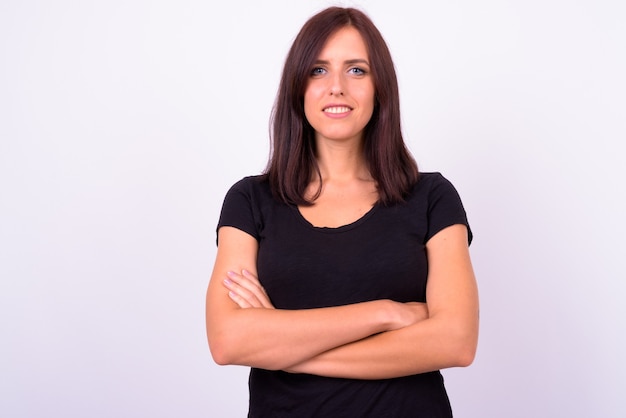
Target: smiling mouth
(337,109)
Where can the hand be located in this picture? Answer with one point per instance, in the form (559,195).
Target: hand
(409,313)
(404,315)
(419,309)
(246,290)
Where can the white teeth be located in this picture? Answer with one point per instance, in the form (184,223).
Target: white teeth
(342,109)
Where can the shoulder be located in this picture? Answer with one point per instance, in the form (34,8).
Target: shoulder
(251,183)
(430,183)
(253,188)
(245,203)
(437,196)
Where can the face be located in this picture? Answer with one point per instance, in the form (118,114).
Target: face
(339,97)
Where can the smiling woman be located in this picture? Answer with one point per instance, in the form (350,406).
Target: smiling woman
(342,275)
(339,97)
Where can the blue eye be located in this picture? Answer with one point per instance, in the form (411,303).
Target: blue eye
(318,71)
(357,71)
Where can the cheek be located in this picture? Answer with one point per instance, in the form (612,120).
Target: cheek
(308,108)
(364,93)
(313,93)
(311,101)
(368,101)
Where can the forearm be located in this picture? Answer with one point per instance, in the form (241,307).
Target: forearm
(432,344)
(243,327)
(243,333)
(278,339)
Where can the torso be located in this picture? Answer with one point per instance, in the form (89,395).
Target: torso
(356,255)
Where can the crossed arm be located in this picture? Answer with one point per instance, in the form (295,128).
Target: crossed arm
(369,340)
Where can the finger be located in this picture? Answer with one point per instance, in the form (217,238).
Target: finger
(249,282)
(263,296)
(242,292)
(243,303)
(251,277)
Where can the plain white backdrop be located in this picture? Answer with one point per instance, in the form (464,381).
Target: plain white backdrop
(123,123)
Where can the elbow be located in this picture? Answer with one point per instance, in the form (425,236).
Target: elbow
(226,351)
(220,356)
(221,349)
(224,355)
(463,344)
(465,355)
(225,346)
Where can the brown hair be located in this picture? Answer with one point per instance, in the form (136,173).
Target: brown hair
(292,161)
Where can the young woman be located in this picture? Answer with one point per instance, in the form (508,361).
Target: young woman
(342,276)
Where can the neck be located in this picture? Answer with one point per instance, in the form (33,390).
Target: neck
(342,161)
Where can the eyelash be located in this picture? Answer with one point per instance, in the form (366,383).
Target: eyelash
(354,70)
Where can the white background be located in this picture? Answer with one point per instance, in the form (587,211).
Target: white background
(123,123)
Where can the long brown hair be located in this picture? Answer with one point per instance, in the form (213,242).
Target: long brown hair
(292,162)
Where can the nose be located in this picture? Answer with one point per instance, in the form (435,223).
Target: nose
(336,87)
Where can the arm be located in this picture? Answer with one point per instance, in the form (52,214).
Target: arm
(278,339)
(448,338)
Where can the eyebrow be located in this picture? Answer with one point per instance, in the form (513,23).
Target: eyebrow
(349,62)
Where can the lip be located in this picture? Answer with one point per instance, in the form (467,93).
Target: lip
(336,110)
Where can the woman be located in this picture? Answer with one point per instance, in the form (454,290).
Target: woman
(342,275)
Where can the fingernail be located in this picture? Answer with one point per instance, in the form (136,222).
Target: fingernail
(227,281)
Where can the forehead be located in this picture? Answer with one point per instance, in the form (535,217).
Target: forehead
(345,41)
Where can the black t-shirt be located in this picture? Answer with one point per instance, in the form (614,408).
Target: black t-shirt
(382,255)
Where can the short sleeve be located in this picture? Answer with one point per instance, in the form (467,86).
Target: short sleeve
(238,209)
(445,208)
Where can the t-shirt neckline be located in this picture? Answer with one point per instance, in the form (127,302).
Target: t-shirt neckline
(342,228)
